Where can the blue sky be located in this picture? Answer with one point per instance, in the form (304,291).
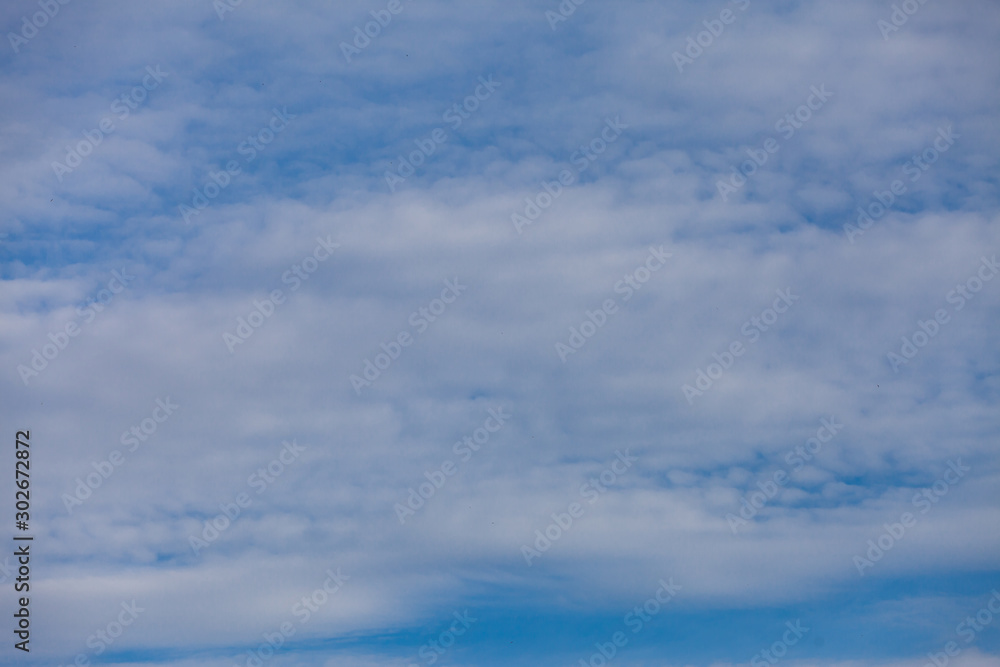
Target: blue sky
(622,329)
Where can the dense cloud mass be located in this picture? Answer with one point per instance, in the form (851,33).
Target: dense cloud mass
(528,332)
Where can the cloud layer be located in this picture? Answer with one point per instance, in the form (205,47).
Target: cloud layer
(764,278)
